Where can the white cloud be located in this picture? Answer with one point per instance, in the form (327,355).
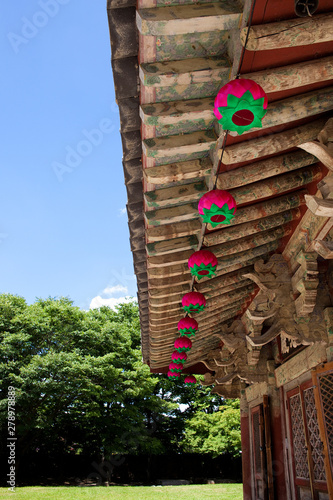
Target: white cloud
(122,211)
(110,295)
(111,302)
(113,290)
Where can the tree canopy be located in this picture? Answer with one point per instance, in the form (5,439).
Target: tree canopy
(81,386)
(214,433)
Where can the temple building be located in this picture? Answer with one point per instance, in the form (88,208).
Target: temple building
(265,334)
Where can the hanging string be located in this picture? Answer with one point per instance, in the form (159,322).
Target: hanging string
(193,287)
(221,157)
(237,77)
(246,39)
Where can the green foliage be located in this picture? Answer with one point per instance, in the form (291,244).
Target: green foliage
(80,383)
(81,386)
(214,433)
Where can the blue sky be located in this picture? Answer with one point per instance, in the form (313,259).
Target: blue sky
(63,230)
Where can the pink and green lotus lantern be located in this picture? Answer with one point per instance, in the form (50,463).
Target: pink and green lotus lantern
(202,263)
(190,380)
(175,367)
(183,344)
(217,207)
(240,105)
(173,374)
(187,326)
(179,357)
(193,302)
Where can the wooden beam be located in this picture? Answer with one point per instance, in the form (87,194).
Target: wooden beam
(319,207)
(237,266)
(167,331)
(323,248)
(158,336)
(167,301)
(264,169)
(224,289)
(291,33)
(174,214)
(164,348)
(172,246)
(173,290)
(166,282)
(252,241)
(178,172)
(218,292)
(294,75)
(159,317)
(272,143)
(169,259)
(253,212)
(169,114)
(216,318)
(180,271)
(225,249)
(172,308)
(277,185)
(185,72)
(170,196)
(172,270)
(164,321)
(184,19)
(279,217)
(175,230)
(179,147)
(223,281)
(299,107)
(228,299)
(230,260)
(266,208)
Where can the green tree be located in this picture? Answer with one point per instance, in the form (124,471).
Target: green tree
(214,433)
(80,383)
(81,386)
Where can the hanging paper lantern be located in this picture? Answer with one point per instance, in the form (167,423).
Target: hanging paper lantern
(193,302)
(187,326)
(202,263)
(178,357)
(240,105)
(217,207)
(173,374)
(175,367)
(183,344)
(190,380)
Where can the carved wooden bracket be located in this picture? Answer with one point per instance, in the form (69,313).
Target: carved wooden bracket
(253,356)
(322,207)
(228,391)
(305,282)
(323,150)
(323,248)
(227,378)
(224,363)
(233,337)
(208,380)
(290,337)
(243,356)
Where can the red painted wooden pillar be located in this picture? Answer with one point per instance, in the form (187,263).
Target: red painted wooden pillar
(278,438)
(245,437)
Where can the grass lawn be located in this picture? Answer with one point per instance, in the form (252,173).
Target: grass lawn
(190,492)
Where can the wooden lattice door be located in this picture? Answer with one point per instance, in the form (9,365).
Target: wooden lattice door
(322,379)
(306,443)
